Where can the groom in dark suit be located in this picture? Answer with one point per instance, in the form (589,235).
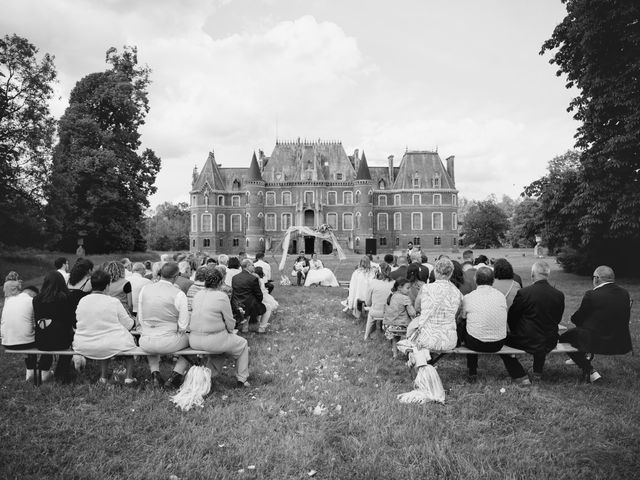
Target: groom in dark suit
(533,322)
(602,322)
(247,292)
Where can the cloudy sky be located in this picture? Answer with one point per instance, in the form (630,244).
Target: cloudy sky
(231,76)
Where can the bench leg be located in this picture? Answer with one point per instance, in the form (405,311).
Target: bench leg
(37,376)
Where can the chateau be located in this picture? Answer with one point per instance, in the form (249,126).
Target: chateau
(371,209)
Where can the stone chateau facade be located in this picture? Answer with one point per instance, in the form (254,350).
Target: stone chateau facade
(371,209)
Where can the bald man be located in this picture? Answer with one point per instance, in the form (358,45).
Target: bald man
(602,322)
(533,323)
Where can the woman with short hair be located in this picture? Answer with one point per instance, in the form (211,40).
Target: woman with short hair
(376,299)
(212,325)
(504,280)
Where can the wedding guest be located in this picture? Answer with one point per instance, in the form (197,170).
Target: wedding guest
(379,290)
(233,269)
(504,280)
(103,328)
(248,294)
(62,266)
(120,287)
(137,280)
(12,284)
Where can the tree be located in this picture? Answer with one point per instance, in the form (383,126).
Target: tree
(26,137)
(596,46)
(525,223)
(100,184)
(485,225)
(168,227)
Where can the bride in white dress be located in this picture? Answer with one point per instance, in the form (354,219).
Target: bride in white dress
(317,274)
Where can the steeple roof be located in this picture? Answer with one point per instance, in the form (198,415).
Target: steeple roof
(253,175)
(363,169)
(210,175)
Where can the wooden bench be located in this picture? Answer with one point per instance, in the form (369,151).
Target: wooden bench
(37,377)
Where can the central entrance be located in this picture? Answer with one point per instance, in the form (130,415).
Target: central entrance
(309,244)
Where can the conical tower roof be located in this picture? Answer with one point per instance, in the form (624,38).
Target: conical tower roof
(363,169)
(210,175)
(253,175)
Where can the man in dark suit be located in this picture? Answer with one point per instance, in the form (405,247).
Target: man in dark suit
(602,322)
(401,271)
(416,257)
(533,323)
(246,291)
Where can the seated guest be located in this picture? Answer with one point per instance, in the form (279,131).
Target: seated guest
(163,314)
(416,259)
(16,330)
(300,268)
(54,321)
(266,268)
(457,277)
(319,275)
(481,261)
(233,269)
(137,281)
(198,285)
(415,281)
(236,308)
(401,271)
(374,265)
(379,290)
(148,272)
(484,314)
(247,292)
(103,328)
(602,322)
(212,326)
(120,287)
(389,260)
(62,266)
(182,281)
(269,302)
(12,284)
(424,260)
(126,263)
(533,322)
(359,286)
(504,281)
(398,313)
(79,283)
(223,260)
(440,301)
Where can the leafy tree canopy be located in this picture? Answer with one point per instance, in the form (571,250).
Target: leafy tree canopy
(596,46)
(26,137)
(485,224)
(100,183)
(168,227)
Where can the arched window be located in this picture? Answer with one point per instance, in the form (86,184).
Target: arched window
(286,198)
(436,221)
(235,201)
(397,221)
(357,241)
(381,185)
(382,200)
(357,196)
(246,242)
(383,221)
(347,221)
(236,185)
(397,199)
(357,224)
(206,222)
(221,200)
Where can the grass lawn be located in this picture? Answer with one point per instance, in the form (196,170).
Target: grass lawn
(314,354)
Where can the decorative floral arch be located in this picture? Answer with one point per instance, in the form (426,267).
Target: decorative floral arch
(323,231)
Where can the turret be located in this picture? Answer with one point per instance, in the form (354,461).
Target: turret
(255,186)
(362,206)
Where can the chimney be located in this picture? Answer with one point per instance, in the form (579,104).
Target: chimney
(450,168)
(390,158)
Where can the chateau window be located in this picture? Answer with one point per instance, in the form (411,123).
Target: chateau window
(221,242)
(382,200)
(260,218)
(397,221)
(261,242)
(416,221)
(383,221)
(270,221)
(416,199)
(270,199)
(454,221)
(397,199)
(370,196)
(416,241)
(357,241)
(435,181)
(236,185)
(206,242)
(193,243)
(381,185)
(454,200)
(194,223)
(286,221)
(236,242)
(347,198)
(236,223)
(308,198)
(206,222)
(383,241)
(332,198)
(260,198)
(221,200)
(437,199)
(436,221)
(220,222)
(235,201)
(416,182)
(332,220)
(286,198)
(206,200)
(246,242)
(437,241)
(358,216)
(347,221)
(339,176)
(397,241)
(194,200)
(357,196)
(453,242)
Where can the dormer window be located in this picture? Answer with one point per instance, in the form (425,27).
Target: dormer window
(236,185)
(416,182)
(381,185)
(339,176)
(436,181)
